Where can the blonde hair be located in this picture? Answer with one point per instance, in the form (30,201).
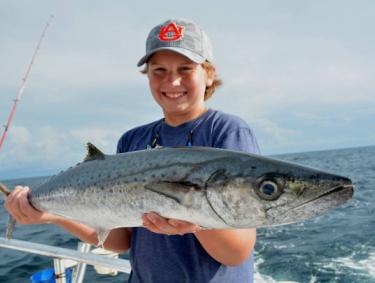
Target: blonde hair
(209,67)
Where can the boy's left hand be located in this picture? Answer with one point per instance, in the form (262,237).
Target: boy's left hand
(158,224)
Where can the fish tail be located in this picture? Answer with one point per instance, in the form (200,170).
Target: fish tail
(11,221)
(4,190)
(10,227)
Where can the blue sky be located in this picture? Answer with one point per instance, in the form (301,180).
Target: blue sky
(301,73)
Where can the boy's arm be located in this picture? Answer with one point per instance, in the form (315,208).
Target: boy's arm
(229,246)
(118,240)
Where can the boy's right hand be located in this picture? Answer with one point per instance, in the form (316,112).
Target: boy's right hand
(158,224)
(18,205)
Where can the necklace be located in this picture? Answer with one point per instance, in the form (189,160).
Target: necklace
(155,141)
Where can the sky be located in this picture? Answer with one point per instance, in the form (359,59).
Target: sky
(300,73)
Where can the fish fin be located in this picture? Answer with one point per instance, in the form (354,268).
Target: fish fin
(10,227)
(4,190)
(11,221)
(102,235)
(217,177)
(180,192)
(93,153)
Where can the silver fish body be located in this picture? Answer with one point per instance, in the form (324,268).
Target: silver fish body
(213,188)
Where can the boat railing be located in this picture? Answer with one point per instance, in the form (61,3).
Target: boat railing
(80,257)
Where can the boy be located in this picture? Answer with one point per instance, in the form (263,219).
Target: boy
(178,64)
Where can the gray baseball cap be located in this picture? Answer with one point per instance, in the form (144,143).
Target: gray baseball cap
(181,36)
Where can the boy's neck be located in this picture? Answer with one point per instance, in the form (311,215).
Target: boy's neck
(176,120)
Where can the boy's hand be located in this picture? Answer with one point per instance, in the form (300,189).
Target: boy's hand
(18,205)
(158,224)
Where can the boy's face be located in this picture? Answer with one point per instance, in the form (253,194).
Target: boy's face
(178,84)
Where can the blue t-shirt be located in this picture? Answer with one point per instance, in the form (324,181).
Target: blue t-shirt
(159,258)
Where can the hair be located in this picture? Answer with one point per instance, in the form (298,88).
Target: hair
(209,67)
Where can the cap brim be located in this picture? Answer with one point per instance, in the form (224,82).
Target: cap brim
(185,52)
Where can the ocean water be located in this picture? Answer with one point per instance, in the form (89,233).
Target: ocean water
(336,247)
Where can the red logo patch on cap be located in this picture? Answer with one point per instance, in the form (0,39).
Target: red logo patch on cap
(171,32)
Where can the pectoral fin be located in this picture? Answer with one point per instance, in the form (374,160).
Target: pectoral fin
(102,235)
(185,194)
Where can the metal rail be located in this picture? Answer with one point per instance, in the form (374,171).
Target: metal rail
(81,267)
(122,265)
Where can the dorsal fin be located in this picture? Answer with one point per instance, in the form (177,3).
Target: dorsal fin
(93,153)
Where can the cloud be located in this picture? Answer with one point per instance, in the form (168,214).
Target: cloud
(49,149)
(302,69)
(102,137)
(276,135)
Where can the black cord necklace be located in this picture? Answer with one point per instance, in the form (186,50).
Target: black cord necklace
(155,141)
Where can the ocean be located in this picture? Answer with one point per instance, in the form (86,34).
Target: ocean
(336,247)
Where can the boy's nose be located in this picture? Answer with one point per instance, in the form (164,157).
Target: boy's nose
(174,78)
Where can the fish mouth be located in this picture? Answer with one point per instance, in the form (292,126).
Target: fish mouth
(341,189)
(345,192)
(318,205)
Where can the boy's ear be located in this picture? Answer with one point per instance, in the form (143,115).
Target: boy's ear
(209,82)
(210,76)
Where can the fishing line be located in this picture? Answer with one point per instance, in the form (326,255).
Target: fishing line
(23,82)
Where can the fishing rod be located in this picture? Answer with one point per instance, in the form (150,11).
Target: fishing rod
(23,82)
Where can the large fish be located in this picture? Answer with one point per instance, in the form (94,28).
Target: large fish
(213,188)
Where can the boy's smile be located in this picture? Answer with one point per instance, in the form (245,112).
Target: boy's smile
(178,86)
(174,95)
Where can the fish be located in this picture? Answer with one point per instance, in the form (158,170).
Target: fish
(211,187)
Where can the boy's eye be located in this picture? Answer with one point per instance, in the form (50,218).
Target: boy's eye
(158,71)
(186,69)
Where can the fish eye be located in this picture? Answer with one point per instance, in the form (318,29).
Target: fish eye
(269,190)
